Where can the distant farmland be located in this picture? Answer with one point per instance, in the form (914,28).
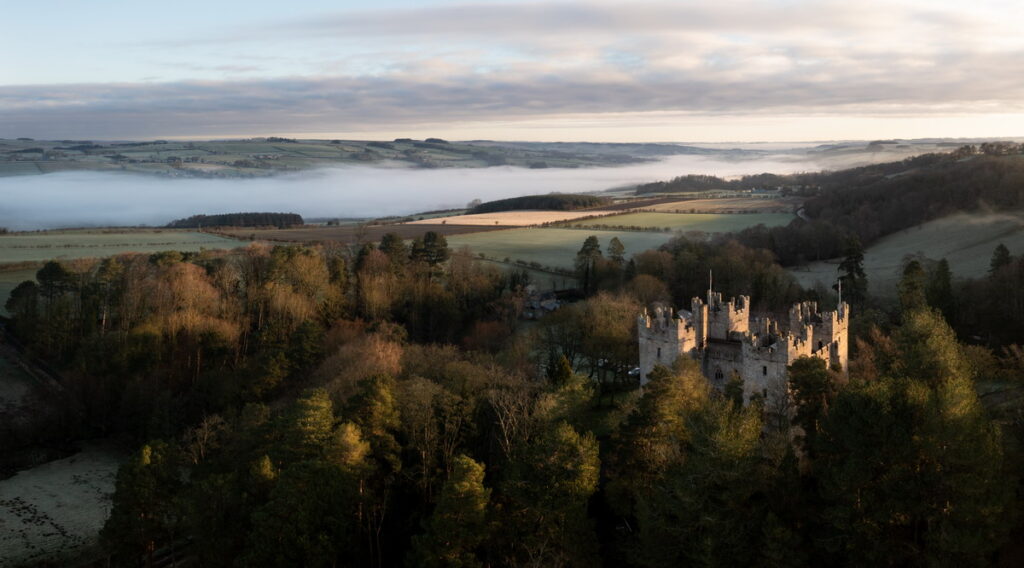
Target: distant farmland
(706,222)
(728,204)
(354,233)
(551,247)
(48,245)
(966,240)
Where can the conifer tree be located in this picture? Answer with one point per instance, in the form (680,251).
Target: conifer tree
(458,525)
(1000,258)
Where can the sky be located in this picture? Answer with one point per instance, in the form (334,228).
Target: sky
(685,71)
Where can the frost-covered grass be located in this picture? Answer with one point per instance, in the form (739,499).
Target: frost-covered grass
(55,511)
(966,240)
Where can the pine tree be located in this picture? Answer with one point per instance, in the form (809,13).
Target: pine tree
(940,289)
(1000,258)
(586,264)
(458,525)
(616,251)
(912,287)
(851,273)
(143,517)
(812,389)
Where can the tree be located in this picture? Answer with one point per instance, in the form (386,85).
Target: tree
(912,287)
(560,371)
(432,249)
(851,273)
(911,475)
(706,508)
(734,389)
(458,525)
(308,426)
(143,516)
(616,251)
(1000,258)
(310,519)
(940,289)
(812,389)
(586,264)
(545,492)
(394,247)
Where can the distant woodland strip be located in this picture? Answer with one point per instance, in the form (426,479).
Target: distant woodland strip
(279,220)
(553,202)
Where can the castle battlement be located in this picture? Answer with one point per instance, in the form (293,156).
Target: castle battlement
(721,335)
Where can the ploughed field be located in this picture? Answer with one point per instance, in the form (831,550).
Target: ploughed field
(966,240)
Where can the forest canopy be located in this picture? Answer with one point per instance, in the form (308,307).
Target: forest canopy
(554,202)
(254,219)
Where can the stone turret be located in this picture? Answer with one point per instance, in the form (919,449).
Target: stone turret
(727,343)
(664,336)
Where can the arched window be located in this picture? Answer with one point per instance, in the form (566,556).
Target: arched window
(719,375)
(659,353)
(820,345)
(764,370)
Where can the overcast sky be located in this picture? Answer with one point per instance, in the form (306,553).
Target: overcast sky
(604,71)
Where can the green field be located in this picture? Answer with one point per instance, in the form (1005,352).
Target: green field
(551,247)
(706,222)
(966,240)
(22,247)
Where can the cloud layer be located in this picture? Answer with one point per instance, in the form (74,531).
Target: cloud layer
(508,62)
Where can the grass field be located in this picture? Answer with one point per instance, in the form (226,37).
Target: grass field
(54,512)
(727,204)
(354,233)
(551,247)
(22,247)
(966,240)
(706,222)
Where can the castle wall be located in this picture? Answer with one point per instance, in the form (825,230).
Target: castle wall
(720,336)
(663,338)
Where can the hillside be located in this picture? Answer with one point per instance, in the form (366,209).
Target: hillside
(966,240)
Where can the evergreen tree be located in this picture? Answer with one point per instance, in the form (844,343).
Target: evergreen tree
(560,371)
(431,249)
(392,245)
(458,525)
(940,289)
(586,264)
(1000,258)
(851,273)
(144,516)
(912,287)
(812,390)
(616,251)
(546,490)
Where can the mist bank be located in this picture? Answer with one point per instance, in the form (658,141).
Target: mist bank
(82,199)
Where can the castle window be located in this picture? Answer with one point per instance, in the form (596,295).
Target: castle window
(764,370)
(719,375)
(820,345)
(659,353)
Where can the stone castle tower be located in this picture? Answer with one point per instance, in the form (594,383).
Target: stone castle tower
(727,342)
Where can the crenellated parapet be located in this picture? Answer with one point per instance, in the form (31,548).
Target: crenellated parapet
(727,342)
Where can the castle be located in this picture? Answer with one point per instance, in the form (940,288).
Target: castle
(727,342)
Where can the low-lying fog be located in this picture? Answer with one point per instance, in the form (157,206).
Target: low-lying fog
(79,199)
